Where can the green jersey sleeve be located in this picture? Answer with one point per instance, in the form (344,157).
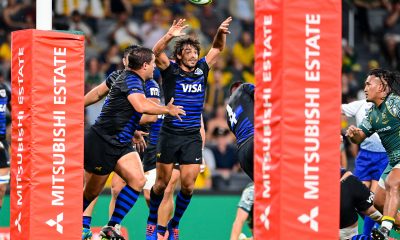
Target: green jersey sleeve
(366,125)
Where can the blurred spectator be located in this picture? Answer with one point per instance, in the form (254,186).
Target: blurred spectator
(93,76)
(219,121)
(240,72)
(111,60)
(243,50)
(225,153)
(152,31)
(208,17)
(125,32)
(216,93)
(116,7)
(66,7)
(76,24)
(392,34)
(363,6)
(18,16)
(204,180)
(5,48)
(158,6)
(243,10)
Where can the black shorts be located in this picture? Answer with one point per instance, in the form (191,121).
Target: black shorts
(182,149)
(4,155)
(246,157)
(101,157)
(149,158)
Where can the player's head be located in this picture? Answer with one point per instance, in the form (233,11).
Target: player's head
(142,61)
(127,50)
(186,52)
(235,86)
(377,84)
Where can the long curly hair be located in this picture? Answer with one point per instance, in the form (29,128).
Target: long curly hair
(180,45)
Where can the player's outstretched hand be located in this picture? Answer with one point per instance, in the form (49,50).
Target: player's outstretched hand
(224,27)
(176,30)
(138,140)
(174,110)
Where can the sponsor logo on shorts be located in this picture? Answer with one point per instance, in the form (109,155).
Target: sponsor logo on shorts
(98,169)
(158,155)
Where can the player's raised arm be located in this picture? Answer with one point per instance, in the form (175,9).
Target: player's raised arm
(176,30)
(219,42)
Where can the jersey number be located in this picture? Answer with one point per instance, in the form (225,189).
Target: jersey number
(232,116)
(154,92)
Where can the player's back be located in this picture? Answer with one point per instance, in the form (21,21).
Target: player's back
(240,112)
(118,119)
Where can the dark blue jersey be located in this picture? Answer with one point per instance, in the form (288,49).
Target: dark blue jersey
(118,119)
(240,112)
(110,80)
(188,89)
(152,90)
(5,97)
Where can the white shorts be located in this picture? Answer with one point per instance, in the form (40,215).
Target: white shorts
(150,179)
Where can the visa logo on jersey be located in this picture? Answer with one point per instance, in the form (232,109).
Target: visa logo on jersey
(191,88)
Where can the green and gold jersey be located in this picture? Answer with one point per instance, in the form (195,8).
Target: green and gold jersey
(385,120)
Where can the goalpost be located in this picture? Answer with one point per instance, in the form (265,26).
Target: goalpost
(297,119)
(47,131)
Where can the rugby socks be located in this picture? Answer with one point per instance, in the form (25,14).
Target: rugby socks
(161,230)
(125,201)
(86,203)
(86,222)
(182,202)
(368,225)
(387,222)
(155,201)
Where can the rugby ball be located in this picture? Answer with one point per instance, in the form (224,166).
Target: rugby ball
(200,2)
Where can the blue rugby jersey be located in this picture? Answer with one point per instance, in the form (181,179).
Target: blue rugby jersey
(118,119)
(240,112)
(5,97)
(152,90)
(188,89)
(110,80)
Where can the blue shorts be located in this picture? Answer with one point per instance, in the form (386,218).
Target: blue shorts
(370,165)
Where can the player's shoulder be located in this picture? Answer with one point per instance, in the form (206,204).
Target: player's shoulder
(393,98)
(393,104)
(202,64)
(151,83)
